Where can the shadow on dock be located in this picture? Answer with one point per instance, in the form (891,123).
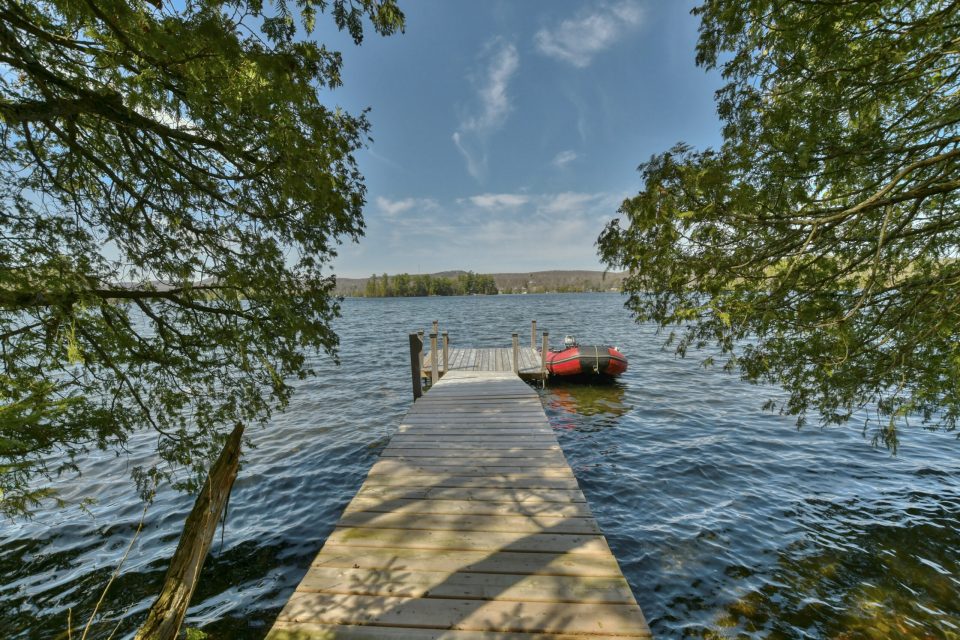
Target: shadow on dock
(471,526)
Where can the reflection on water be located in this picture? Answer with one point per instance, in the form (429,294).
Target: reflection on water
(727,521)
(598,398)
(863,570)
(730,524)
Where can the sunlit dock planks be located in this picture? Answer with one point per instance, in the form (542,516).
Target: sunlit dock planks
(488,359)
(471,526)
(432,363)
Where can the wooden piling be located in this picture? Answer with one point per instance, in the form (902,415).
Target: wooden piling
(416,362)
(543,356)
(434,373)
(446,352)
(516,353)
(420,333)
(533,334)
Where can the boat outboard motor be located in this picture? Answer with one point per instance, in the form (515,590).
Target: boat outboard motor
(569,341)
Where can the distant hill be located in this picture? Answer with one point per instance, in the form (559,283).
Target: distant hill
(529,282)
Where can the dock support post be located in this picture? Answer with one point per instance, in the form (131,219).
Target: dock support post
(446,352)
(434,374)
(516,353)
(436,326)
(416,362)
(533,334)
(420,333)
(543,357)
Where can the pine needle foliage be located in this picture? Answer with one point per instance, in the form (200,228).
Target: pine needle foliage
(172,184)
(818,246)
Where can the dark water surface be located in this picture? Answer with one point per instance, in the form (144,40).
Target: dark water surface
(727,521)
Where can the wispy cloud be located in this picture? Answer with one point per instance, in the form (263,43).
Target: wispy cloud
(500,63)
(532,234)
(563,158)
(393,208)
(569,202)
(578,39)
(486,232)
(384,159)
(498,201)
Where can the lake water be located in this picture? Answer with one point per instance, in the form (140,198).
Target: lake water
(727,520)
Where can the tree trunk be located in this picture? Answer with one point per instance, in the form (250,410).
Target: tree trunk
(166,615)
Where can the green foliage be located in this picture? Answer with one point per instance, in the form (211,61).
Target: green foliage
(171,187)
(405,286)
(818,246)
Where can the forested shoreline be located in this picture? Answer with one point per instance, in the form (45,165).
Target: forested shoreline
(460,283)
(404,285)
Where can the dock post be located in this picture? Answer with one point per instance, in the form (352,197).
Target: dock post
(533,334)
(434,374)
(416,360)
(543,357)
(436,326)
(516,353)
(446,352)
(420,333)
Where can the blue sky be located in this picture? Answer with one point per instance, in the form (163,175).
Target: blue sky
(505,134)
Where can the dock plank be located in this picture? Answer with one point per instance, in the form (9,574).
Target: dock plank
(441,430)
(447,418)
(283,630)
(469,507)
(485,522)
(468,615)
(515,494)
(470,526)
(503,481)
(448,442)
(388,466)
(511,562)
(468,586)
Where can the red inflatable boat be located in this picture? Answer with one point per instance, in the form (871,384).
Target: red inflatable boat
(586,360)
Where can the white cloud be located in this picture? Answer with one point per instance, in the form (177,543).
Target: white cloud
(501,62)
(474,156)
(533,234)
(494,102)
(384,159)
(578,39)
(497,201)
(563,158)
(569,202)
(393,208)
(486,232)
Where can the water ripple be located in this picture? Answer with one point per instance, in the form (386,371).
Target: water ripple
(728,522)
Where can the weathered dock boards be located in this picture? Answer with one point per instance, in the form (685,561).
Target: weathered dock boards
(471,526)
(488,359)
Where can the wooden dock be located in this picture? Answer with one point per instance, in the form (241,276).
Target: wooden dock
(471,526)
(429,366)
(490,359)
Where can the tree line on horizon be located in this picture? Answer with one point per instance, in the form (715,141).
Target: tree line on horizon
(404,285)
(470,283)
